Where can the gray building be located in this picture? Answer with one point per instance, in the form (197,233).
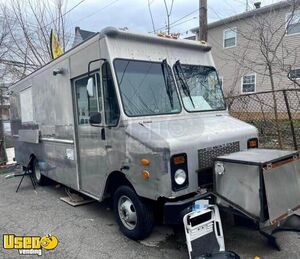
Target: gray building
(249,47)
(81,35)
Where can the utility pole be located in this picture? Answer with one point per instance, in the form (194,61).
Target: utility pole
(247,5)
(203,20)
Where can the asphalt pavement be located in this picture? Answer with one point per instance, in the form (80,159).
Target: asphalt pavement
(90,231)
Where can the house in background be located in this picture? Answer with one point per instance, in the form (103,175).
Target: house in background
(4,102)
(81,35)
(246,47)
(5,128)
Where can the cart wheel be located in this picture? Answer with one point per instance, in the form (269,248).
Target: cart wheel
(135,218)
(39,178)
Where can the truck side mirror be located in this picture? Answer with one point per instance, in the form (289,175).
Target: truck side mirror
(90,87)
(95,118)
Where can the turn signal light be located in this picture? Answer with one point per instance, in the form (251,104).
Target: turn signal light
(178,160)
(146,174)
(252,143)
(145,162)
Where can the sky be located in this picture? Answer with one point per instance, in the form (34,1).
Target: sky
(95,15)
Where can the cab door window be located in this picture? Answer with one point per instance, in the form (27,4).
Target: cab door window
(111,107)
(87,105)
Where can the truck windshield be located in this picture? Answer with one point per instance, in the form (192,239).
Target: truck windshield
(147,88)
(199,87)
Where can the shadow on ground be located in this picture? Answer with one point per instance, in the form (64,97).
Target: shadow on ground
(90,231)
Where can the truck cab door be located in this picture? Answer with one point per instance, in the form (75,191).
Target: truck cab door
(93,141)
(90,144)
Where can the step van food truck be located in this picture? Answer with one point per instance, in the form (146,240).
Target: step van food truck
(141,119)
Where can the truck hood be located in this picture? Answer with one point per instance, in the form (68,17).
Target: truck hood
(181,134)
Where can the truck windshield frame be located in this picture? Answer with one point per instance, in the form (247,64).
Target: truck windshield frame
(144,89)
(193,83)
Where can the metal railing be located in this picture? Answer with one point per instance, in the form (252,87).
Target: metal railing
(276,114)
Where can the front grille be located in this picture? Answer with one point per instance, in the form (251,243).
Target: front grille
(206,156)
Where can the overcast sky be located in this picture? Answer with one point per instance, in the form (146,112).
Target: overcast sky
(96,14)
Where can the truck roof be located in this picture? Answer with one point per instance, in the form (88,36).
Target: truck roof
(112,32)
(150,38)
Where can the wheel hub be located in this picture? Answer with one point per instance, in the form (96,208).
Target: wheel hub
(127,212)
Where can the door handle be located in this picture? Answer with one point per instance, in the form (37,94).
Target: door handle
(103,134)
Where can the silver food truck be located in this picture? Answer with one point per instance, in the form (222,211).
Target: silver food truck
(142,119)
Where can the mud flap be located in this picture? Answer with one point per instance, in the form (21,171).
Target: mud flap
(291,223)
(282,181)
(204,233)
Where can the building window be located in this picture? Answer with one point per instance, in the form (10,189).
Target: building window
(294,74)
(229,38)
(293,23)
(249,83)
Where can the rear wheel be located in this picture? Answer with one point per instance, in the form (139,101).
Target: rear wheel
(135,217)
(39,178)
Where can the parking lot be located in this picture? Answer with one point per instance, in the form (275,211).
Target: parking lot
(89,231)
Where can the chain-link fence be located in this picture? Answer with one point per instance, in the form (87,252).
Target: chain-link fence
(276,114)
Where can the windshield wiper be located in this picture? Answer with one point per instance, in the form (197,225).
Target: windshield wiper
(168,81)
(184,85)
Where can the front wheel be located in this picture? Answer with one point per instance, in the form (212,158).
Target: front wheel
(135,218)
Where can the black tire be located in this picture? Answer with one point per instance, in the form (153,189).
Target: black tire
(143,211)
(38,177)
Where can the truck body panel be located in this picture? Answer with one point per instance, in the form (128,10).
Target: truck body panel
(77,155)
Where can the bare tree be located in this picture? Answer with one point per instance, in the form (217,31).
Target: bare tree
(264,49)
(29,24)
(4,41)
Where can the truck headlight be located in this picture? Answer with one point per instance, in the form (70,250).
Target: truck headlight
(180,176)
(179,172)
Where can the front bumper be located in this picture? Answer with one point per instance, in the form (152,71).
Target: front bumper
(174,211)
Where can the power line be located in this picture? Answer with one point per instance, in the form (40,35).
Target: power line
(195,11)
(54,20)
(73,7)
(178,20)
(185,16)
(184,22)
(92,14)
(216,13)
(17,63)
(34,25)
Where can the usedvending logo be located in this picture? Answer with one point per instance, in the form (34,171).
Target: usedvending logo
(29,245)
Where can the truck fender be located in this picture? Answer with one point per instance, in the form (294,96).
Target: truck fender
(114,180)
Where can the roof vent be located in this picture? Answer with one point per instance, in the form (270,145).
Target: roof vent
(257,5)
